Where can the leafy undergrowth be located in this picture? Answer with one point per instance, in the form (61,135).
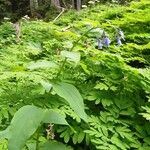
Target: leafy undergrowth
(51,57)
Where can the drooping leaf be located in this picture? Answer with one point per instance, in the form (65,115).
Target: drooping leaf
(26,121)
(72,96)
(97,31)
(46,85)
(52,116)
(71,56)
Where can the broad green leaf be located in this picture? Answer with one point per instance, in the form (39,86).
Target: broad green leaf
(46,85)
(71,56)
(97,32)
(26,121)
(72,96)
(52,116)
(51,145)
(42,65)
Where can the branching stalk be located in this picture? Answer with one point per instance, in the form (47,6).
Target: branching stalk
(74,44)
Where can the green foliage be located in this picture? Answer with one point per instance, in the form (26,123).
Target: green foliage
(54,146)
(147,114)
(42,65)
(25,122)
(72,96)
(110,109)
(107,132)
(71,56)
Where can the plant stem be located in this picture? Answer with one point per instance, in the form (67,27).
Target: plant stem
(61,68)
(37,139)
(75,43)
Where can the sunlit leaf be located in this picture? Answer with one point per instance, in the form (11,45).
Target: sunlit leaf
(72,96)
(51,116)
(71,56)
(42,65)
(46,85)
(26,121)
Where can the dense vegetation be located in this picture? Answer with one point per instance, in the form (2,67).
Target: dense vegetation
(53,67)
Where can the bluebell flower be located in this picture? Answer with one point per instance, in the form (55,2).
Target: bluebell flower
(119,41)
(121,34)
(100,44)
(106,41)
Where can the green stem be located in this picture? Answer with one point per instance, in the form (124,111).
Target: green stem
(61,68)
(75,43)
(37,139)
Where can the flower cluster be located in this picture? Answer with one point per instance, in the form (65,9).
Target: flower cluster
(50,131)
(120,36)
(105,41)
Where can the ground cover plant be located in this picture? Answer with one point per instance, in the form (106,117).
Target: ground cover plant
(58,91)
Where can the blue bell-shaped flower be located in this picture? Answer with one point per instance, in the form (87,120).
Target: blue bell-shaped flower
(106,41)
(100,44)
(121,34)
(119,41)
